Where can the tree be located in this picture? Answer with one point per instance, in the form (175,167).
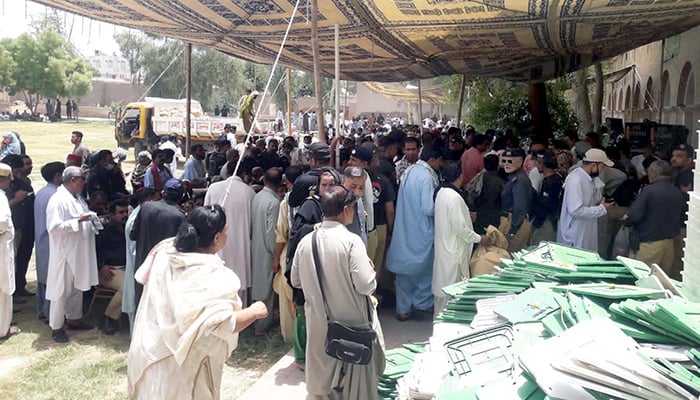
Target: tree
(48,68)
(43,66)
(7,66)
(131,46)
(500,104)
(589,112)
(78,81)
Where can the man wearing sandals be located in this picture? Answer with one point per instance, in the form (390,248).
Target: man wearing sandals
(7,255)
(72,257)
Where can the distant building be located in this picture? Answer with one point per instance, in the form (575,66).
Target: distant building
(657,82)
(110,66)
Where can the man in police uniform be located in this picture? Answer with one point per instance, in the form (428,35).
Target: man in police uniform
(516,200)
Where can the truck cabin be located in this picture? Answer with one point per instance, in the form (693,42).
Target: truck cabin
(133,121)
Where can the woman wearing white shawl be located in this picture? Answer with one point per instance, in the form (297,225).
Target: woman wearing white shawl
(189,317)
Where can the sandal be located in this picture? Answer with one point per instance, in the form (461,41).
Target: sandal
(11,332)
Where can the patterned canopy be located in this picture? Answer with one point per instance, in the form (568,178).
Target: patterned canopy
(399,40)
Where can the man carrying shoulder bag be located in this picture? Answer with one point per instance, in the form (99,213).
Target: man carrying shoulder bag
(345,346)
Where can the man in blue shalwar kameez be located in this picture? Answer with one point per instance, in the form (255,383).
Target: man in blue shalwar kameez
(410,254)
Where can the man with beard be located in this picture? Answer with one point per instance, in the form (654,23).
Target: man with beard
(682,163)
(578,221)
(111,260)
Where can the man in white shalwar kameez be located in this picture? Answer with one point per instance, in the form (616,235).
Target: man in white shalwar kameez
(348,280)
(264,212)
(454,235)
(581,206)
(236,198)
(7,257)
(72,256)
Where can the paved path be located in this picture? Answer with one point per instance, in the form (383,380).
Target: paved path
(285,381)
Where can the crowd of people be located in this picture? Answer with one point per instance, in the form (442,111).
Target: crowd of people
(198,256)
(53,112)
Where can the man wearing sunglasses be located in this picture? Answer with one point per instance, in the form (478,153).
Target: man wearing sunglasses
(516,200)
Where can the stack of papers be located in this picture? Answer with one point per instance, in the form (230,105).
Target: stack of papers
(595,357)
(398,363)
(548,262)
(673,320)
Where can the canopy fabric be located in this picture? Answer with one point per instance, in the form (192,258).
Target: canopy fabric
(435,95)
(399,40)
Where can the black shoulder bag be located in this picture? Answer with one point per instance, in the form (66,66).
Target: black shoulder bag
(344,342)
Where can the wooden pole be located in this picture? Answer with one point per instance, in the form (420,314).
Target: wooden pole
(337,79)
(420,107)
(188,96)
(289,102)
(461,100)
(320,116)
(345,105)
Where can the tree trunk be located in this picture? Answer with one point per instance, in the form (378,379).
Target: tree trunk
(461,100)
(537,102)
(598,100)
(582,104)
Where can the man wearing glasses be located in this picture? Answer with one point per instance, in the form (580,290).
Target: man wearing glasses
(72,257)
(516,200)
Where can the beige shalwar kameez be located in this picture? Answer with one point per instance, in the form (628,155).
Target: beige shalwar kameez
(279,282)
(348,279)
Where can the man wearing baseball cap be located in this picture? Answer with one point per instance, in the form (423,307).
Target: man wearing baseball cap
(516,200)
(581,207)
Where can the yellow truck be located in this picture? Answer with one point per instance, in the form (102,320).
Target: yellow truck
(140,125)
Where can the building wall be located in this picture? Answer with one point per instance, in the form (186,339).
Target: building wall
(110,66)
(659,88)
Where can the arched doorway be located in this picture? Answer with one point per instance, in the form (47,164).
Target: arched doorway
(648,96)
(665,96)
(683,85)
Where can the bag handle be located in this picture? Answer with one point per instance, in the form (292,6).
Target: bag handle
(317,265)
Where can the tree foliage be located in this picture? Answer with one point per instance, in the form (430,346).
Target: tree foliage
(45,67)
(7,66)
(499,104)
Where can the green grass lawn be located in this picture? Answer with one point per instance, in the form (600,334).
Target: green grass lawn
(92,365)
